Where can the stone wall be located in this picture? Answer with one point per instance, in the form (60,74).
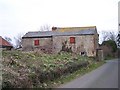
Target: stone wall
(83,43)
(44,43)
(96,40)
(99,55)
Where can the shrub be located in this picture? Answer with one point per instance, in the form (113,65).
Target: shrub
(112,44)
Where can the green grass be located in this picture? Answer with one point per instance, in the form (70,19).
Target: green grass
(31,64)
(65,79)
(109,58)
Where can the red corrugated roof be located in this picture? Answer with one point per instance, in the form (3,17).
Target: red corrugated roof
(3,42)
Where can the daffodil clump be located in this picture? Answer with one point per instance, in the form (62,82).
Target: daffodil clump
(31,69)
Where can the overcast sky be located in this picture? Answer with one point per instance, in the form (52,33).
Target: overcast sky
(21,16)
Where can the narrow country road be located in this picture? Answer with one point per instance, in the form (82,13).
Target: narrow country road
(105,76)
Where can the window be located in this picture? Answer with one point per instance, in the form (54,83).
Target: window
(72,40)
(36,42)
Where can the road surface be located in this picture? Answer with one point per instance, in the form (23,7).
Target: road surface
(105,76)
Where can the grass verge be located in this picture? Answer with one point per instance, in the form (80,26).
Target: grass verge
(36,70)
(76,74)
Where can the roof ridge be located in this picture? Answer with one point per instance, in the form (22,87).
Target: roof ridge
(78,27)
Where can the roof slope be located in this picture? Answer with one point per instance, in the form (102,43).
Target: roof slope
(57,33)
(67,29)
(3,42)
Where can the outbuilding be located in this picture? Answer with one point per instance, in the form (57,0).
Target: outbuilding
(5,45)
(81,40)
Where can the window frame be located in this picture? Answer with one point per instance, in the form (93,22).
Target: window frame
(36,42)
(72,40)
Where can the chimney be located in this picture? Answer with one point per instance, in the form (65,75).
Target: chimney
(54,28)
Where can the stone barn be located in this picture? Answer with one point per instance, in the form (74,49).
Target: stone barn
(81,40)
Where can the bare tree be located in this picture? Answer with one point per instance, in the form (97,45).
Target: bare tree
(108,35)
(45,27)
(18,41)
